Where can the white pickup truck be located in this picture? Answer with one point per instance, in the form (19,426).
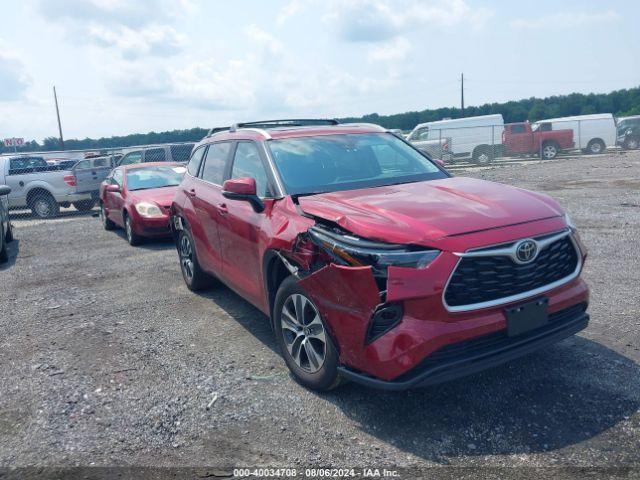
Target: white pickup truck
(42,187)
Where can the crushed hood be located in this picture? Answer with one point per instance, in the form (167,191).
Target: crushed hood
(423,211)
(160,196)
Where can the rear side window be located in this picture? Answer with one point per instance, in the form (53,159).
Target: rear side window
(84,164)
(26,165)
(247,163)
(180,153)
(196,159)
(155,155)
(215,161)
(131,158)
(517,129)
(545,127)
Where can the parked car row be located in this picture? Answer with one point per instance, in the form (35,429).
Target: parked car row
(484,138)
(372,263)
(46,185)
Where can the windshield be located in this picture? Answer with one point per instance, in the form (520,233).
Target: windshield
(154,177)
(345,162)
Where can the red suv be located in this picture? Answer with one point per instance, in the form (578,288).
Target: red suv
(373,263)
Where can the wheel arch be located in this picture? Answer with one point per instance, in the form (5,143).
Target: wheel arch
(38,190)
(274,271)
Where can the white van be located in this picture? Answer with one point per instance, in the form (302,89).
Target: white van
(479,137)
(591,133)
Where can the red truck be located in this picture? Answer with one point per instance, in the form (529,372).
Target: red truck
(521,138)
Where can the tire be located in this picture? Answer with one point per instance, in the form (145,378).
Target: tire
(132,237)
(194,276)
(8,237)
(106,223)
(549,151)
(482,155)
(631,143)
(4,256)
(43,205)
(596,147)
(303,339)
(84,205)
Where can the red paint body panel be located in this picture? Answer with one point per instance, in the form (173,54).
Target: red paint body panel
(424,212)
(529,142)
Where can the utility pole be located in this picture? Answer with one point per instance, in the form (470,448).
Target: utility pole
(462,93)
(55,97)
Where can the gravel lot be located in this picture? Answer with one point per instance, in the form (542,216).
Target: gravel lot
(107,359)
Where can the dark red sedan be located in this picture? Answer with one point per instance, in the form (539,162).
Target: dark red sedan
(138,199)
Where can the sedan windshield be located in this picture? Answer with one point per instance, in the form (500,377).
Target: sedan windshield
(344,162)
(154,177)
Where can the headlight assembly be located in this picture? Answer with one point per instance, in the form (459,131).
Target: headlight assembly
(350,250)
(149,210)
(569,222)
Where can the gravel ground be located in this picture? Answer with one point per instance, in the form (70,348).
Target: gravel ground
(107,359)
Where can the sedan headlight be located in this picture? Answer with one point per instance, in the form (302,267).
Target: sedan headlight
(149,210)
(354,251)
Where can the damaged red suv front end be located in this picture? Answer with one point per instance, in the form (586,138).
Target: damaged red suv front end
(375,264)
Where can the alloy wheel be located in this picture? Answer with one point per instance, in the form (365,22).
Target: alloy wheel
(42,208)
(129,229)
(549,151)
(596,147)
(303,332)
(186,257)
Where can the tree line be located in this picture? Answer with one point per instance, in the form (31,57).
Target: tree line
(619,102)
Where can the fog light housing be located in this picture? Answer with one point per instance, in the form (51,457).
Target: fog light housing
(386,317)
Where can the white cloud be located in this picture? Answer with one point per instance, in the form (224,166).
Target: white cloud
(14,80)
(382,20)
(565,20)
(133,29)
(263,39)
(396,50)
(288,11)
(155,40)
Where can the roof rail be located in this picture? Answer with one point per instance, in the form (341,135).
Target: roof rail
(289,122)
(217,130)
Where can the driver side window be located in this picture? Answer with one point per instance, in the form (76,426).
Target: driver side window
(247,163)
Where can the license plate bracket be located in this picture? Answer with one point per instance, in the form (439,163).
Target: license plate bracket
(527,316)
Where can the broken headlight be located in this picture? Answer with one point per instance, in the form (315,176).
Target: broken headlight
(350,250)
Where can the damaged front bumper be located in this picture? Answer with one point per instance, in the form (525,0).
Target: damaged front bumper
(429,344)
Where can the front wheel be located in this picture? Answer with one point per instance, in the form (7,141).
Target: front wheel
(482,155)
(303,338)
(632,143)
(132,237)
(9,235)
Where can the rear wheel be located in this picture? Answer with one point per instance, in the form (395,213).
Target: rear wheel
(596,146)
(303,338)
(192,273)
(84,205)
(106,223)
(43,205)
(549,151)
(132,237)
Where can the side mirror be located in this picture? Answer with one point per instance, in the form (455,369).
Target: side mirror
(243,189)
(4,190)
(112,188)
(439,162)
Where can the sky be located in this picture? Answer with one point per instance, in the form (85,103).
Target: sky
(123,67)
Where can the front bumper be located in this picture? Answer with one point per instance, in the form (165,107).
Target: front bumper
(347,298)
(151,227)
(465,358)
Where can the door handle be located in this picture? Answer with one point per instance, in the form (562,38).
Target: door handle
(192,192)
(222,208)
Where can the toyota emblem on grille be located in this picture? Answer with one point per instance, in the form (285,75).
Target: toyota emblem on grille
(526,251)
